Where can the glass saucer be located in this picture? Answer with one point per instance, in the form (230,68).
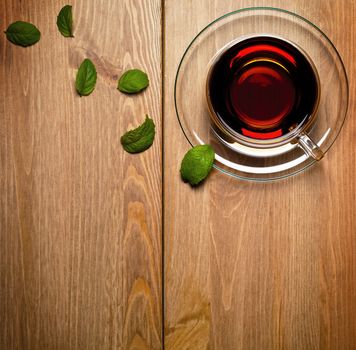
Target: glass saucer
(190,98)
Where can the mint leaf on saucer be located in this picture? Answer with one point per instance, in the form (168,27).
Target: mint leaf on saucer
(197,163)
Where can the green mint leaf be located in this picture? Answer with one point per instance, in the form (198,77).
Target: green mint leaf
(23,33)
(86,78)
(197,163)
(139,139)
(133,81)
(65,21)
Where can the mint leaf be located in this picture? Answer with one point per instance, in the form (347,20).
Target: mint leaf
(133,81)
(139,139)
(197,163)
(23,33)
(86,78)
(65,21)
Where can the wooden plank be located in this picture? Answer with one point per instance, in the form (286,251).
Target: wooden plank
(244,276)
(80,219)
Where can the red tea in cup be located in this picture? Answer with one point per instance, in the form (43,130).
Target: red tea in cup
(262,88)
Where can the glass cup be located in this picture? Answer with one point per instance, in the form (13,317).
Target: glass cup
(296,135)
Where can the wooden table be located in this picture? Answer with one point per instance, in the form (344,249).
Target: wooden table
(95,243)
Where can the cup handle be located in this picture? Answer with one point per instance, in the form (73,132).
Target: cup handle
(310,147)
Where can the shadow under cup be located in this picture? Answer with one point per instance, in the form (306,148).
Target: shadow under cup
(263,92)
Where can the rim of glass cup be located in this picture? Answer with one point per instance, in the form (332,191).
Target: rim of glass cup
(272,9)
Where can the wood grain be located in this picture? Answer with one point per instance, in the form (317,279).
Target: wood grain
(80,219)
(260,266)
